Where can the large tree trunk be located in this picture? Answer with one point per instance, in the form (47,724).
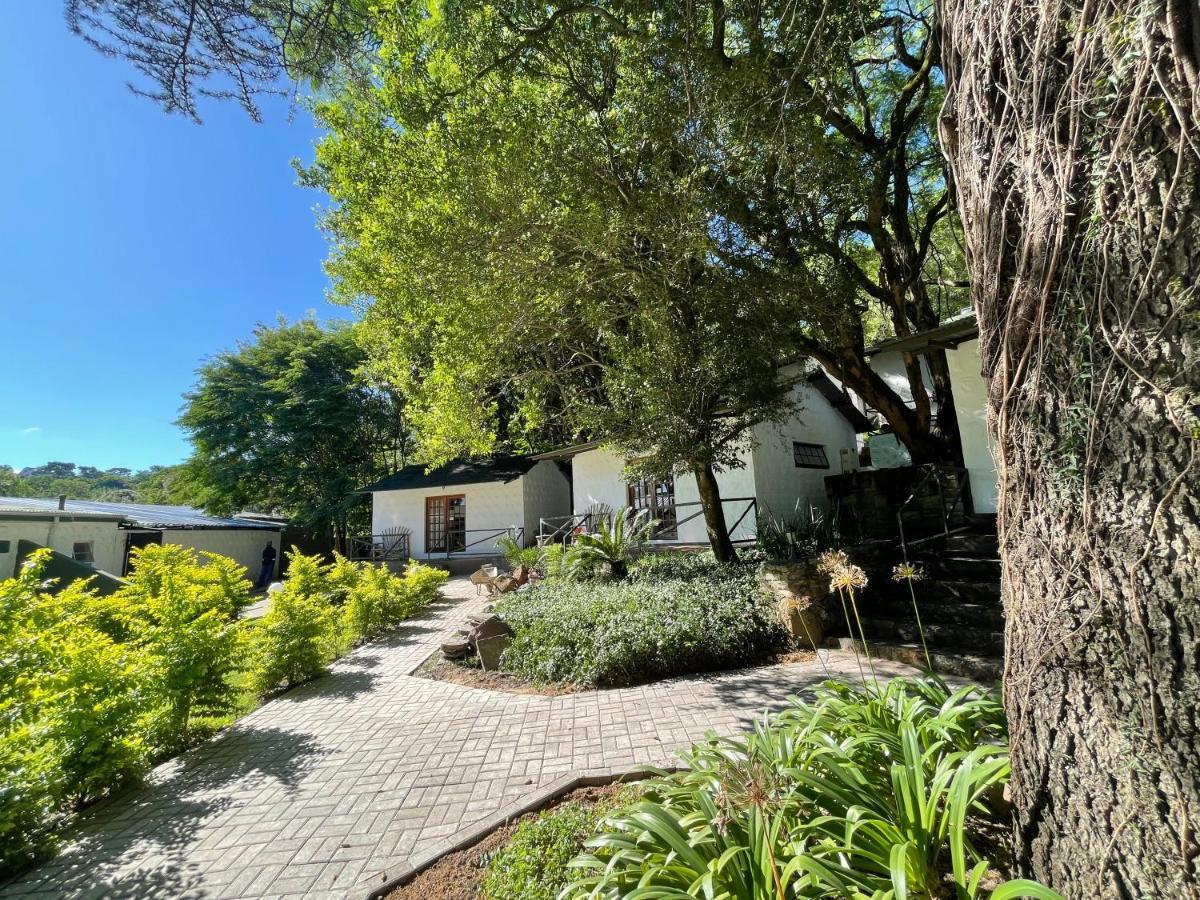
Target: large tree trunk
(1071,128)
(714,513)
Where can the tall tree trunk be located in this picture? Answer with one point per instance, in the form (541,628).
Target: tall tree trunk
(714,512)
(1071,129)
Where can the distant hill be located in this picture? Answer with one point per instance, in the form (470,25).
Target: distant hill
(157,484)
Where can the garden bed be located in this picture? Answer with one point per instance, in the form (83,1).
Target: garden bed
(469,674)
(461,875)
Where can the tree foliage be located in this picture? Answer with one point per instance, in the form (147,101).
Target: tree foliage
(234,49)
(284,424)
(156,484)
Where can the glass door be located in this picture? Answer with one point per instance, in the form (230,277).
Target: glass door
(446,524)
(657,497)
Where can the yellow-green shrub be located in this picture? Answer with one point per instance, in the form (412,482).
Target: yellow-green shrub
(69,695)
(297,637)
(182,614)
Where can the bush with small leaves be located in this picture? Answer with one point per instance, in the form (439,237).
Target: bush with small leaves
(182,611)
(690,616)
(69,707)
(533,864)
(298,636)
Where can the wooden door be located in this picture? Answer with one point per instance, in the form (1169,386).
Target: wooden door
(446,523)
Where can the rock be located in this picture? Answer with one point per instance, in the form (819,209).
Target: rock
(802,600)
(491,638)
(457,648)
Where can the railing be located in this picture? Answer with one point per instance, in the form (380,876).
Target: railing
(664,530)
(560,529)
(380,547)
(457,543)
(935,473)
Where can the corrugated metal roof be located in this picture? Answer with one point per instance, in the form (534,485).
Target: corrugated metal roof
(143,515)
(460,471)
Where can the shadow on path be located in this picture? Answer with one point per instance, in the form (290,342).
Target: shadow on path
(146,832)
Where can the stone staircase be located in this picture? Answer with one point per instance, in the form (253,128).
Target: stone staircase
(959,603)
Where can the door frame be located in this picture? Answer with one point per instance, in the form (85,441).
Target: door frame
(444,501)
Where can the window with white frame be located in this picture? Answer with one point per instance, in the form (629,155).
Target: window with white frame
(809,456)
(82,552)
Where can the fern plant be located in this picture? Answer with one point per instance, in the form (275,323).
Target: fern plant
(609,549)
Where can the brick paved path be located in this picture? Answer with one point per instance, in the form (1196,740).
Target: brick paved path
(328,789)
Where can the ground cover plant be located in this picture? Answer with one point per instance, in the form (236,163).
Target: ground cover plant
(94,690)
(866,791)
(673,614)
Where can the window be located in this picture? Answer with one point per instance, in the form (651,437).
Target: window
(657,497)
(82,552)
(809,456)
(5,546)
(446,524)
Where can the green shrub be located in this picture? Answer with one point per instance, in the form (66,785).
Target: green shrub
(646,627)
(421,586)
(533,864)
(861,793)
(298,636)
(183,616)
(518,555)
(376,599)
(69,693)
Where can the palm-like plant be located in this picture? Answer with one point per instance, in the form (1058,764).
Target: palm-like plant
(517,554)
(609,549)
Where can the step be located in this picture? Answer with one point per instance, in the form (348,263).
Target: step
(960,567)
(940,635)
(984,669)
(973,542)
(937,590)
(989,616)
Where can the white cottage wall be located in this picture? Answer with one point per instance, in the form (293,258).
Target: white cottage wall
(598,477)
(546,493)
(781,483)
(970,403)
(108,541)
(243,545)
(490,506)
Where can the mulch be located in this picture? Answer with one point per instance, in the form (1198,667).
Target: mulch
(460,875)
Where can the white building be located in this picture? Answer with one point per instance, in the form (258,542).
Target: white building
(463,508)
(960,339)
(783,467)
(101,535)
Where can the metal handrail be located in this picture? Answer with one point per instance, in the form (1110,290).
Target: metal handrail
(933,472)
(563,530)
(752,505)
(517,533)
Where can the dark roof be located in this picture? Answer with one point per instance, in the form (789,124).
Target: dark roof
(461,471)
(142,515)
(945,336)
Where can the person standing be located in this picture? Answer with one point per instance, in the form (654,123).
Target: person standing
(268,566)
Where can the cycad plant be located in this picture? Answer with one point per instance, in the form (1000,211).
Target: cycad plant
(864,793)
(609,549)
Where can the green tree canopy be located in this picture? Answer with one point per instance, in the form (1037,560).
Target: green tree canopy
(629,214)
(285,424)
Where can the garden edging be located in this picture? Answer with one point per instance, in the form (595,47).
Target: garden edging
(534,802)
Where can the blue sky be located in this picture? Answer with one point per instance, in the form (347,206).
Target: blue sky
(133,245)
